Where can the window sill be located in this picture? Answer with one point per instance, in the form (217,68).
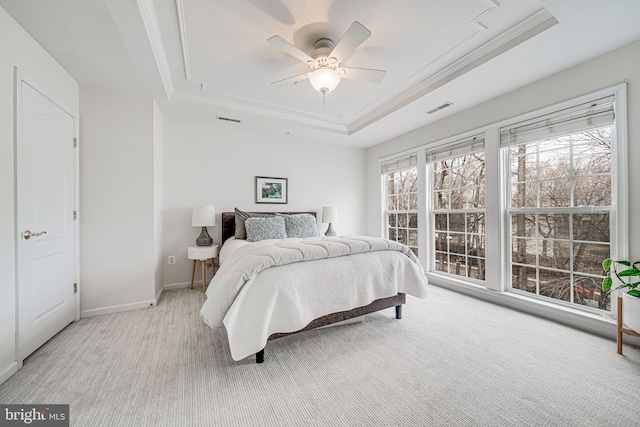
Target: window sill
(599,324)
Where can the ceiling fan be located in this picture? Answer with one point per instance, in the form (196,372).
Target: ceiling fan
(324,62)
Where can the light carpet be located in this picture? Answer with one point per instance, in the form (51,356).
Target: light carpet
(451,361)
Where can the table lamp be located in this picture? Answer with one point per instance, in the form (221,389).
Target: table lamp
(330,215)
(204,216)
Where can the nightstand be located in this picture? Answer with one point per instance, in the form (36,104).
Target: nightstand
(202,254)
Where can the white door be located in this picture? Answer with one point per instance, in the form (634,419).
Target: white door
(45,201)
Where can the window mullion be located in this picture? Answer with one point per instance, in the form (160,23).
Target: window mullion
(423,209)
(494,212)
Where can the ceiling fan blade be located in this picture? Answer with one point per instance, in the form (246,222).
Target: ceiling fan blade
(354,37)
(366,74)
(291,80)
(287,47)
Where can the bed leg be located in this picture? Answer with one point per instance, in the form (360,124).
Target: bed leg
(399,311)
(260,356)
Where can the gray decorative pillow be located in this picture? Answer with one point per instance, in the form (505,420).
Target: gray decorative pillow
(241,217)
(300,226)
(265,228)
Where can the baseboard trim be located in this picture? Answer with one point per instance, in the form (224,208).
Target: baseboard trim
(159,295)
(173,286)
(597,325)
(135,305)
(9,371)
(118,308)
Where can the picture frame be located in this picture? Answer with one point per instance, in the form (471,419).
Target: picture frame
(272,190)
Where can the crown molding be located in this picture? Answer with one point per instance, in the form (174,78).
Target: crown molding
(224,100)
(263,110)
(150,21)
(406,92)
(183,39)
(268,109)
(534,24)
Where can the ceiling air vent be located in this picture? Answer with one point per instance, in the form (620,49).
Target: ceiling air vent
(227,119)
(443,106)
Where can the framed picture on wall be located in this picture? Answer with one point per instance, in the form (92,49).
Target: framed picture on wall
(271,190)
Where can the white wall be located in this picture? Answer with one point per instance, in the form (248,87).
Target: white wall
(117,232)
(216,164)
(18,49)
(605,71)
(158,192)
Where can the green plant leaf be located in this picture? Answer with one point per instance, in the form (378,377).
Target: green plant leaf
(606,283)
(606,264)
(624,262)
(629,272)
(634,292)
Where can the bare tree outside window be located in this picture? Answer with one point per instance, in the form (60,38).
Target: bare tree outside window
(402,207)
(560,200)
(459,215)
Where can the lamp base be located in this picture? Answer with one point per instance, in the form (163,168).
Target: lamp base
(204,239)
(330,231)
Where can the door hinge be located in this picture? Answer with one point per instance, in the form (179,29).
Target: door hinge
(75,288)
(75,215)
(75,142)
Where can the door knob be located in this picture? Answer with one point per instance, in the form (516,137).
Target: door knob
(27,234)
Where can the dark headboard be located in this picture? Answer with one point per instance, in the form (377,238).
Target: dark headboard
(229,222)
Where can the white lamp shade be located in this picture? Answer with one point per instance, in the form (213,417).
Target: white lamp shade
(329,214)
(203,216)
(324,80)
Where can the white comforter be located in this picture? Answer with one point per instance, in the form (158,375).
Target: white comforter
(272,286)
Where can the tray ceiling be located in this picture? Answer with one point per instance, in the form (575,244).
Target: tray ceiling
(207,59)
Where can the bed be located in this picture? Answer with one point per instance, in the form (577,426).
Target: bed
(256,305)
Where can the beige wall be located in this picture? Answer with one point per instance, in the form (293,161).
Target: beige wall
(18,49)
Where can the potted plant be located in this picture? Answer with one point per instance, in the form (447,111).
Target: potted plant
(628,274)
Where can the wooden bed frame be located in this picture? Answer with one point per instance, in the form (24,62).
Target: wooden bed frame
(228,230)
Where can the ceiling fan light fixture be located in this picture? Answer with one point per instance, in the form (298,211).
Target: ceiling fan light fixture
(324,80)
(324,61)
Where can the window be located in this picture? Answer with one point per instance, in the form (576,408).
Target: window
(458,208)
(530,206)
(561,206)
(401,184)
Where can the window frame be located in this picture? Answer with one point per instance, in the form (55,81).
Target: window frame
(497,221)
(618,209)
(399,164)
(431,210)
